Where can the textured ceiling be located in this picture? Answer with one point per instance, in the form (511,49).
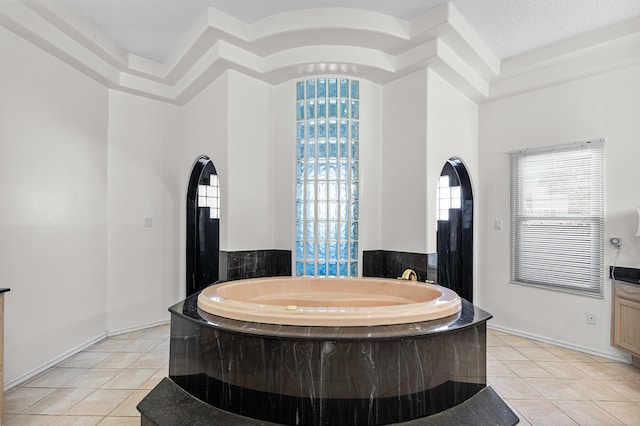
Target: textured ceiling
(152,28)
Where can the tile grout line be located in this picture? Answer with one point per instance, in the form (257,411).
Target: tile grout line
(587,360)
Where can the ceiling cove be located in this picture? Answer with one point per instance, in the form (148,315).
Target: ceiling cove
(353,42)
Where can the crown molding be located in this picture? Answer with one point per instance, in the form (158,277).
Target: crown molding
(585,63)
(596,52)
(583,45)
(343,41)
(353,42)
(35,28)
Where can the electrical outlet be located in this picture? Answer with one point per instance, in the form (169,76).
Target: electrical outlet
(592,318)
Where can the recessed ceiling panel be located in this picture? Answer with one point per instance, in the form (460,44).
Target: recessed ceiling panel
(152,28)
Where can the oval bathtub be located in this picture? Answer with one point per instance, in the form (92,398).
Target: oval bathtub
(329,302)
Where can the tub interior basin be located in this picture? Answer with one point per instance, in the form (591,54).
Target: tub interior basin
(329,301)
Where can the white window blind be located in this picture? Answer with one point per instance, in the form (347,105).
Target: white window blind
(557,215)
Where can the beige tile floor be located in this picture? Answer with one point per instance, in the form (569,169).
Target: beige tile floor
(544,384)
(549,385)
(99,386)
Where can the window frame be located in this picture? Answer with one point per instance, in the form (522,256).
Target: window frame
(557,239)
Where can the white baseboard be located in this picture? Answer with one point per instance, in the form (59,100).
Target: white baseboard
(118,331)
(57,360)
(68,354)
(615,357)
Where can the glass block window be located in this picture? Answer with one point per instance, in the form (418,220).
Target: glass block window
(209,197)
(449,197)
(327,174)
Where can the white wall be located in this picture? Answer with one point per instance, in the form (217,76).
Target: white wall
(601,106)
(202,130)
(152,148)
(250,168)
(53,224)
(371,166)
(142,266)
(427,121)
(403,168)
(452,131)
(283,160)
(72,278)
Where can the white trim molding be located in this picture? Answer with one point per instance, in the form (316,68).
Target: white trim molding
(356,43)
(119,331)
(350,42)
(621,358)
(74,351)
(51,363)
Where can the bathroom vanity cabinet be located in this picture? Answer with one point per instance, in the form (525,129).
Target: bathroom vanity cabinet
(625,324)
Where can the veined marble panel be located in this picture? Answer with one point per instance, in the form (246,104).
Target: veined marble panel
(329,375)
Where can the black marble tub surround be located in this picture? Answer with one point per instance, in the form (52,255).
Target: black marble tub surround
(329,375)
(391,264)
(169,405)
(628,275)
(238,265)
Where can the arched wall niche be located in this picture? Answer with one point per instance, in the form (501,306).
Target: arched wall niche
(203,226)
(455,228)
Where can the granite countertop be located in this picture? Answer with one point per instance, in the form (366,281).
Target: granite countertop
(4,290)
(627,275)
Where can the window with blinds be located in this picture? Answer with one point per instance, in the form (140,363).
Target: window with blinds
(557,217)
